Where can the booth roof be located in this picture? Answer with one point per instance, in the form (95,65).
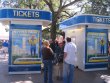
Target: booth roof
(84,19)
(45,17)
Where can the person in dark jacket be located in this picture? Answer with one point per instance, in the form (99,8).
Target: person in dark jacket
(47,55)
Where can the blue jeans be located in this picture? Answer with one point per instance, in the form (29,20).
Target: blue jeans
(68,71)
(102,49)
(33,50)
(47,71)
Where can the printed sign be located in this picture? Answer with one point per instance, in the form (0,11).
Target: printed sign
(25,14)
(25,46)
(96,47)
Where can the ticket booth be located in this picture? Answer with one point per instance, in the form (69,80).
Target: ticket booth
(91,35)
(25,38)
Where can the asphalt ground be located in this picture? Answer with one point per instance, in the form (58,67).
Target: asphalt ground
(79,75)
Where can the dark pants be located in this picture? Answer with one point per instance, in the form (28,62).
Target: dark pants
(47,71)
(33,50)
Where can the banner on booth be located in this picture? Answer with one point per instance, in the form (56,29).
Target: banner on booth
(25,46)
(21,46)
(96,46)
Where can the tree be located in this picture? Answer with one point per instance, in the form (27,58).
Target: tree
(100,7)
(57,7)
(32,4)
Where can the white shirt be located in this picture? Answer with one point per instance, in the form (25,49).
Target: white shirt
(70,49)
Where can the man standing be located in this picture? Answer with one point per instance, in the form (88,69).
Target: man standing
(102,43)
(33,42)
(69,61)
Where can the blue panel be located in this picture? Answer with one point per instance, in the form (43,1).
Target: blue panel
(30,27)
(72,21)
(25,14)
(92,66)
(24,68)
(3,14)
(97,30)
(85,19)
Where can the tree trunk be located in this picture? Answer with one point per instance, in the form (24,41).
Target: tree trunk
(53,31)
(53,27)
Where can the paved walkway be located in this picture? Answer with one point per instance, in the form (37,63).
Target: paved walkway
(80,76)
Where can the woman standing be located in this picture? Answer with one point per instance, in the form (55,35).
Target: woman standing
(47,55)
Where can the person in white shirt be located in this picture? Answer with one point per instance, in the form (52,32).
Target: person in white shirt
(69,61)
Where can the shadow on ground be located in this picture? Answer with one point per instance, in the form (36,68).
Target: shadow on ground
(79,76)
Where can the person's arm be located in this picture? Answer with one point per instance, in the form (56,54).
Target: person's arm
(52,54)
(51,51)
(65,51)
(36,40)
(65,55)
(29,41)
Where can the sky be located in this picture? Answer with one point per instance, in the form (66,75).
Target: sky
(3,33)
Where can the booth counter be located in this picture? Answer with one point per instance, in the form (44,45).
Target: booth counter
(25,38)
(91,35)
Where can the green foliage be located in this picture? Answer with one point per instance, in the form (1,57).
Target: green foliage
(32,4)
(100,7)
